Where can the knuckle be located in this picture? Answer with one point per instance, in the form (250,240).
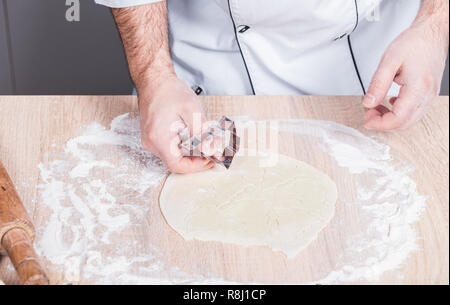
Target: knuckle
(173,167)
(152,137)
(149,133)
(429,86)
(388,58)
(391,57)
(170,168)
(148,138)
(404,125)
(377,84)
(398,122)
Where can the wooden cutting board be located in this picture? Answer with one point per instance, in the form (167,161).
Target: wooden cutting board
(32,128)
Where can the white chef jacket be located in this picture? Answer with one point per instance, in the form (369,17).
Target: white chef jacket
(281,47)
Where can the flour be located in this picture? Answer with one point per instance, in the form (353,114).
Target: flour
(97,193)
(389,202)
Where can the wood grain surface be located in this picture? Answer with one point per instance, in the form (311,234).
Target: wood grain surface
(32,128)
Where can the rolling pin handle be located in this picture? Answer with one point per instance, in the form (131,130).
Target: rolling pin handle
(17,233)
(20,250)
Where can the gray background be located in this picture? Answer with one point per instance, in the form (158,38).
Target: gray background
(52,56)
(42,53)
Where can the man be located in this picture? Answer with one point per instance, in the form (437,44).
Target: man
(373,48)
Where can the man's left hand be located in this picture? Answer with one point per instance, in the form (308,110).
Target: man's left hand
(415,61)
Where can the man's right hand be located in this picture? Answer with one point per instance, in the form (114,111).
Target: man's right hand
(166,106)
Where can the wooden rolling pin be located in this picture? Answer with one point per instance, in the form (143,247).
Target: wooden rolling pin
(17,234)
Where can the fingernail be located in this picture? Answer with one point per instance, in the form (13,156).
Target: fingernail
(369,100)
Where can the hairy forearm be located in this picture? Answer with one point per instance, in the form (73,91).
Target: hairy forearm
(435,13)
(144,32)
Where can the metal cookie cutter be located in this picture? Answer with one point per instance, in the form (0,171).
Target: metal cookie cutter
(225,128)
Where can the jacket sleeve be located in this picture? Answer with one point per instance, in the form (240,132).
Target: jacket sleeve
(124,3)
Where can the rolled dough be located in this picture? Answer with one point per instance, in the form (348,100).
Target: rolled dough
(283,206)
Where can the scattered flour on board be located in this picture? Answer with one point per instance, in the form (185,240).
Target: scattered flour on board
(97,191)
(389,202)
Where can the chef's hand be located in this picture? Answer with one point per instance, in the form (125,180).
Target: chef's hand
(166,104)
(415,61)
(166,107)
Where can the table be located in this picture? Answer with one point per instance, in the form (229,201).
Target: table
(31,127)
